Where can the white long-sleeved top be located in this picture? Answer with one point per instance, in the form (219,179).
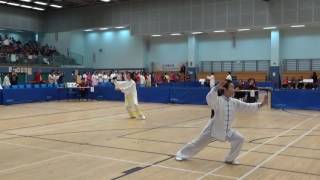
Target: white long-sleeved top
(212,80)
(225,109)
(142,79)
(229,77)
(105,78)
(128,88)
(6,81)
(94,80)
(51,78)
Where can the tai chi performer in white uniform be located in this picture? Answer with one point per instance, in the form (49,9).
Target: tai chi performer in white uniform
(129,89)
(219,127)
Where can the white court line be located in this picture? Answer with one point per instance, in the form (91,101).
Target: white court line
(278,152)
(256,147)
(34,163)
(82,122)
(109,158)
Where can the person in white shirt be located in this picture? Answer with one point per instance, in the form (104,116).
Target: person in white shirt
(119,76)
(56,78)
(105,77)
(85,77)
(112,76)
(149,80)
(94,79)
(142,80)
(6,81)
(229,77)
(167,77)
(51,78)
(212,80)
(131,96)
(6,42)
(100,78)
(219,127)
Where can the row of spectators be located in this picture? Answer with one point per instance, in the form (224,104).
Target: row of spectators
(301,83)
(245,90)
(142,79)
(9,79)
(54,77)
(15,49)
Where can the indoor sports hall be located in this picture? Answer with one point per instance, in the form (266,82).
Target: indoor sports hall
(159,89)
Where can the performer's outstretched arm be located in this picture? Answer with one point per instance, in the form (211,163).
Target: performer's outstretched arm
(250,107)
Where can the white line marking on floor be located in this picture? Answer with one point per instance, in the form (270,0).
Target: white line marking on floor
(256,147)
(278,152)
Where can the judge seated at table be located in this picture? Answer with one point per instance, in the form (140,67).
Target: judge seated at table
(240,94)
(83,89)
(252,96)
(300,83)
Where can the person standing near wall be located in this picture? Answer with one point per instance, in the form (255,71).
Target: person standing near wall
(6,81)
(212,80)
(142,80)
(149,80)
(229,76)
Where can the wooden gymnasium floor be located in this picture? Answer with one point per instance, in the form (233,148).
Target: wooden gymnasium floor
(96,141)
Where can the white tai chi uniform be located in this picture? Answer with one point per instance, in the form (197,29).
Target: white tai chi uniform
(219,127)
(131,97)
(212,80)
(229,77)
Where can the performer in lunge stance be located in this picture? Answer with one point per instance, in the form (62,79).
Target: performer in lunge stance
(219,126)
(129,89)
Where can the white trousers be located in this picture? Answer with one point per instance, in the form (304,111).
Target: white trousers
(189,150)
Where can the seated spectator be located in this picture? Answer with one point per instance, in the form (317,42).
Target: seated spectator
(83,88)
(14,78)
(51,77)
(238,94)
(6,41)
(167,78)
(38,78)
(61,76)
(300,82)
(315,79)
(252,96)
(285,83)
(294,83)
(94,79)
(100,78)
(105,77)
(79,78)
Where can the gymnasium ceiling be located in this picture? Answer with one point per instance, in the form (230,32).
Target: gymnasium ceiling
(63,3)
